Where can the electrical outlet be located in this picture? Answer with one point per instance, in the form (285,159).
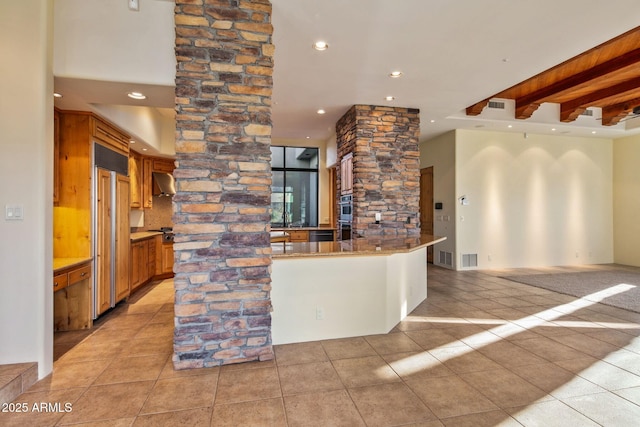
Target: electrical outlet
(319,313)
(134,5)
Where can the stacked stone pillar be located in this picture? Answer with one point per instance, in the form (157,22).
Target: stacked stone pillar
(223,177)
(384,142)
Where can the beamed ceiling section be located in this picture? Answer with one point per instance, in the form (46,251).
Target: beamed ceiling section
(607,76)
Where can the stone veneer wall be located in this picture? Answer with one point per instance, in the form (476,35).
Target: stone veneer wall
(223,177)
(386,168)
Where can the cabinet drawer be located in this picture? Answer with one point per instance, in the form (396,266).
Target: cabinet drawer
(298,235)
(79,274)
(60,281)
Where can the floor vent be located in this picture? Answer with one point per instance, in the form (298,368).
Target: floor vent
(446,258)
(496,104)
(469,260)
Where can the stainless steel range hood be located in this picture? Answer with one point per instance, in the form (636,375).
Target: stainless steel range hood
(163,184)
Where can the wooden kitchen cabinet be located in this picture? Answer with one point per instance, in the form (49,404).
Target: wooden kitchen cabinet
(346,174)
(298,235)
(56,155)
(110,136)
(139,260)
(163,165)
(147,182)
(149,166)
(164,259)
(135,179)
(143,262)
(72,298)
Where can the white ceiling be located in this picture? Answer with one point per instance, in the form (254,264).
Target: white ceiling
(453,53)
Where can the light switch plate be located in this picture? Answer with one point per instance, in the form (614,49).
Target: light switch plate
(13,212)
(134,5)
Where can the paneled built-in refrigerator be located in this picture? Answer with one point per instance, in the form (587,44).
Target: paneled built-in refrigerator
(110,229)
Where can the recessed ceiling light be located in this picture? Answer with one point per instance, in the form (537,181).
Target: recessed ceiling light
(395,74)
(321,45)
(593,132)
(136,95)
(57,95)
(131,141)
(553,129)
(308,137)
(432,121)
(389,98)
(510,126)
(144,149)
(321,111)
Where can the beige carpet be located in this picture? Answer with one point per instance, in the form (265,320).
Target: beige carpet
(587,283)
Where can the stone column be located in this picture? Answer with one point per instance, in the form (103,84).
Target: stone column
(223,178)
(386,168)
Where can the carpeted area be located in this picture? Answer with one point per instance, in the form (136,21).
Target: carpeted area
(589,282)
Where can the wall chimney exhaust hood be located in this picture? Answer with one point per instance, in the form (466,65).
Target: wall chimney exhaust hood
(163,184)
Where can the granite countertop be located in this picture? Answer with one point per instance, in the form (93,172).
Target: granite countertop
(60,264)
(304,228)
(141,235)
(380,245)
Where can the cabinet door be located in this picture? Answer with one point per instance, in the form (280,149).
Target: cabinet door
(167,258)
(151,259)
(135,265)
(346,174)
(135,180)
(123,244)
(103,232)
(56,155)
(147,183)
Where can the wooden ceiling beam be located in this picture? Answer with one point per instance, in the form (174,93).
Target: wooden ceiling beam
(570,110)
(527,104)
(612,114)
(477,108)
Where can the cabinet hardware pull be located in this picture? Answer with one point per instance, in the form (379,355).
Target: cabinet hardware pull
(83,274)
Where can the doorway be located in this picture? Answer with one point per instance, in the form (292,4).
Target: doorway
(426,206)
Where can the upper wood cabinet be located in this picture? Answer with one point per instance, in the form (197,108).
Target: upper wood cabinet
(346,174)
(110,136)
(135,180)
(149,166)
(56,155)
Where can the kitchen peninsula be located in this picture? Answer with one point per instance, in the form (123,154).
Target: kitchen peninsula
(325,290)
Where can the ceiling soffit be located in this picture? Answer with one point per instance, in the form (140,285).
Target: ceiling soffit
(607,76)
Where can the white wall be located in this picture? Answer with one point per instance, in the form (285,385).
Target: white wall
(440,152)
(626,200)
(140,44)
(539,201)
(26,171)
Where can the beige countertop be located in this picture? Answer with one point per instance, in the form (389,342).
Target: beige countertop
(141,235)
(382,245)
(303,228)
(60,264)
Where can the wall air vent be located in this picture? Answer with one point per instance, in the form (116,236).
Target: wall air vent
(587,113)
(469,260)
(496,104)
(446,258)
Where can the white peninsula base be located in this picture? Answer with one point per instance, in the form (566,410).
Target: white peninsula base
(345,295)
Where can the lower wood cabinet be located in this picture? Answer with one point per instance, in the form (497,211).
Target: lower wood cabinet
(150,258)
(143,262)
(72,298)
(164,260)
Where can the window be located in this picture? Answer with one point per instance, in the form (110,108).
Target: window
(294,189)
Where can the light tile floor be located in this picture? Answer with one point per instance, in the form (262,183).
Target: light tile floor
(480,351)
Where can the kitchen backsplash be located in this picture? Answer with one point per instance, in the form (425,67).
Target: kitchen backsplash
(155,218)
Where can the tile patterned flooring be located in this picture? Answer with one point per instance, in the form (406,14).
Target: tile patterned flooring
(480,351)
